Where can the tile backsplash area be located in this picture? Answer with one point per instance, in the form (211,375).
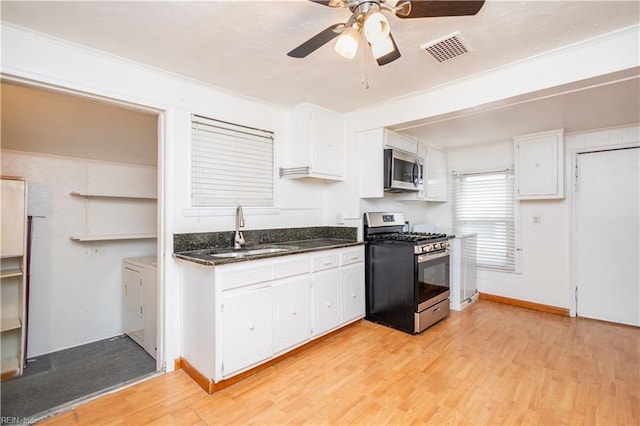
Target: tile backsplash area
(207,240)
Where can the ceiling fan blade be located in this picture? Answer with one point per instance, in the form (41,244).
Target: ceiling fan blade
(391,56)
(317,41)
(436,8)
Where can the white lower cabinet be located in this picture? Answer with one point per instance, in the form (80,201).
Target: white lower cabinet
(264,308)
(291,312)
(352,278)
(246,328)
(326,294)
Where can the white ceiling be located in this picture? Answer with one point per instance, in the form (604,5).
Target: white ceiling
(241,46)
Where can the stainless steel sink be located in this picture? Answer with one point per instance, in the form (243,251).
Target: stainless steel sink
(252,251)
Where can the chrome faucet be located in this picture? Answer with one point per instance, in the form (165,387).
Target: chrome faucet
(239,238)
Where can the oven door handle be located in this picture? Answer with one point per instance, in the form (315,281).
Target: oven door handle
(427,257)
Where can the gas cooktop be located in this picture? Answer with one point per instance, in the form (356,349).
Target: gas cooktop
(416,237)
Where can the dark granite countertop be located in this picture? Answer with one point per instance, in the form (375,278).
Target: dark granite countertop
(262,251)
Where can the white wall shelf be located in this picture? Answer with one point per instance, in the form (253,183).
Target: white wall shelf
(7,324)
(89,238)
(128,197)
(120,203)
(11,273)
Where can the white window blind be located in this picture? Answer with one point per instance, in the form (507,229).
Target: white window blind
(230,164)
(484,203)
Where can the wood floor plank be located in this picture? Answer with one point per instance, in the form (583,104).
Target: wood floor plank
(489,364)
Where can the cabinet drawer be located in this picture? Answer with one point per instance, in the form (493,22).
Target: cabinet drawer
(296,265)
(326,262)
(352,256)
(238,276)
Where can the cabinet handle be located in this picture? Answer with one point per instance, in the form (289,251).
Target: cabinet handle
(353,257)
(328,304)
(294,312)
(251,326)
(353,295)
(327,262)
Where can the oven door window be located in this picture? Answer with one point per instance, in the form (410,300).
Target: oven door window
(433,278)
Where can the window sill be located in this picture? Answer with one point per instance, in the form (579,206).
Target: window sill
(228,211)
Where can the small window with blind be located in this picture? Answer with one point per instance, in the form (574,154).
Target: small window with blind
(484,203)
(230,164)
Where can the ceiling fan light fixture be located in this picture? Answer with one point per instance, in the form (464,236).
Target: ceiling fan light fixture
(347,44)
(376,26)
(382,47)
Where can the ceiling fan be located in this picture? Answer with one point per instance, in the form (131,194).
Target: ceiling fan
(367,19)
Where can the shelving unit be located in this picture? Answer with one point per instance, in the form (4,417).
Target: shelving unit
(13,276)
(114,202)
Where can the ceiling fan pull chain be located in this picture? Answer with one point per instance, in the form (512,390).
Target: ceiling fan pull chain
(364,57)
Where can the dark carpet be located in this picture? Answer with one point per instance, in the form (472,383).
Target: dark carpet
(61,377)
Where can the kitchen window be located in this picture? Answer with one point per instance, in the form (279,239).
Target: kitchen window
(484,203)
(230,164)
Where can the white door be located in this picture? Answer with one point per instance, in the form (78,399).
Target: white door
(607,239)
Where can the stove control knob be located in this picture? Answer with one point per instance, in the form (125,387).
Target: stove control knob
(427,248)
(436,246)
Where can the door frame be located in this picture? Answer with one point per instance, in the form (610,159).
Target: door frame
(577,148)
(164,239)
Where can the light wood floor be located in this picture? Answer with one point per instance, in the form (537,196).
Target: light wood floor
(490,364)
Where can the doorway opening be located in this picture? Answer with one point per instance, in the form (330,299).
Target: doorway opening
(91,167)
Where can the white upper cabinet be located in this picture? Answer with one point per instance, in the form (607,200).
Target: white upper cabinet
(400,141)
(539,165)
(436,180)
(317,144)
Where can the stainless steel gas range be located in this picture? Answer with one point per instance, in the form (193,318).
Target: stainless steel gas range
(406,274)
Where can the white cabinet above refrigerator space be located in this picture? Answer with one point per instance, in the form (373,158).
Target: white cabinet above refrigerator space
(539,171)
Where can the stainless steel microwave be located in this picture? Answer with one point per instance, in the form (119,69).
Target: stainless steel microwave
(402,171)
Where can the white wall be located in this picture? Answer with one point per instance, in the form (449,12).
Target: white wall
(546,256)
(76,288)
(544,247)
(298,202)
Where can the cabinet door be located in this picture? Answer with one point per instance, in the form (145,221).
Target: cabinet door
(436,182)
(246,329)
(292,313)
(538,167)
(132,320)
(352,292)
(401,142)
(327,146)
(326,313)
(371,153)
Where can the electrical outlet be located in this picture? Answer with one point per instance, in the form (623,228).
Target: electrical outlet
(537,219)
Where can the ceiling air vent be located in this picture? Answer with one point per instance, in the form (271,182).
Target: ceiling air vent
(447,48)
